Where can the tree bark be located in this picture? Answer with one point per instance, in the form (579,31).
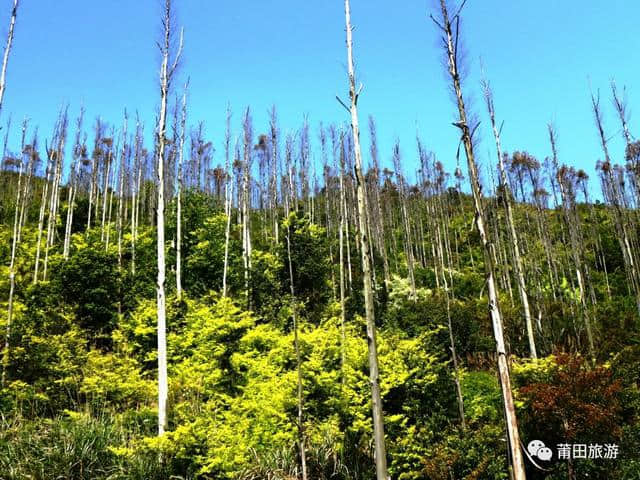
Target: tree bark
(450,44)
(183,126)
(300,391)
(7,50)
(228,195)
(12,274)
(506,196)
(376,398)
(166,74)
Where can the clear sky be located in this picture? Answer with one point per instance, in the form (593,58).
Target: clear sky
(539,55)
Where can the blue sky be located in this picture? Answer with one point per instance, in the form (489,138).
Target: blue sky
(539,56)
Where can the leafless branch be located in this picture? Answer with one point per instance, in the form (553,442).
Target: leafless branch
(343,104)
(178,53)
(437,23)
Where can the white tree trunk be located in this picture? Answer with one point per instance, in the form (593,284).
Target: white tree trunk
(517,460)
(166,73)
(376,398)
(12,273)
(228,197)
(7,50)
(506,194)
(183,126)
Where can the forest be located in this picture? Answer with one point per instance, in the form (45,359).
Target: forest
(291,309)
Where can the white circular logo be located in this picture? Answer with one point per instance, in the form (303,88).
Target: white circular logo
(537,448)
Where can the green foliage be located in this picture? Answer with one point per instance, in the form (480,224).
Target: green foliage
(75,447)
(86,339)
(47,350)
(482,398)
(115,380)
(204,258)
(89,283)
(309,260)
(473,456)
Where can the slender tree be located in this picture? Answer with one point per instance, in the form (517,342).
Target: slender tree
(515,243)
(79,152)
(616,198)
(408,244)
(363,229)
(7,50)
(228,195)
(167,70)
(121,200)
(450,28)
(296,341)
(14,246)
(183,124)
(246,202)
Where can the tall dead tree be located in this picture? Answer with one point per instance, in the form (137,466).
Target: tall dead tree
(378,217)
(228,197)
(246,202)
(565,178)
(508,205)
(108,158)
(41,215)
(79,153)
(7,50)
(341,241)
(58,156)
(14,246)
(402,191)
(95,156)
(121,200)
(136,175)
(167,70)
(273,180)
(450,28)
(296,342)
(363,229)
(616,198)
(183,126)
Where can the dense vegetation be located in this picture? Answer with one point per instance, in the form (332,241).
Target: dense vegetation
(268,326)
(80,391)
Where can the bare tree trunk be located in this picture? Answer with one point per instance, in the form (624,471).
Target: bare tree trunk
(380,230)
(450,44)
(166,74)
(341,229)
(228,195)
(572,222)
(376,398)
(246,209)
(73,179)
(7,50)
(343,154)
(300,391)
(121,199)
(105,192)
(506,195)
(274,173)
(183,126)
(136,173)
(55,192)
(112,182)
(12,273)
(94,172)
(408,247)
(43,206)
(621,109)
(448,291)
